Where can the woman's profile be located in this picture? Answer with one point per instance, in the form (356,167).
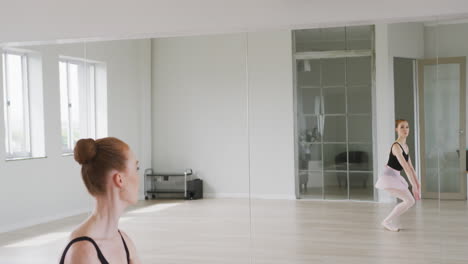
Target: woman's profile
(110,173)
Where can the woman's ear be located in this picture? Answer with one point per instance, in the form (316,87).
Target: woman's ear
(117,179)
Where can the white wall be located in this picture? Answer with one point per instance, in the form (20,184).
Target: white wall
(128,93)
(384,108)
(199,109)
(406,40)
(271,114)
(39,190)
(200,112)
(56,19)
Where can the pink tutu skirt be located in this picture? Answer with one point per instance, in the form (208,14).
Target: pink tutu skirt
(391,179)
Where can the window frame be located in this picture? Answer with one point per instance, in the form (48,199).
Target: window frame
(86,100)
(27,140)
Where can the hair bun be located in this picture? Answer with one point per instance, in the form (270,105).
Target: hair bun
(85,150)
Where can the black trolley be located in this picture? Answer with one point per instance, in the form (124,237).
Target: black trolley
(151,183)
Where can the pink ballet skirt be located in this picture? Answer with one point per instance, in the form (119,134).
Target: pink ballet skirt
(391,179)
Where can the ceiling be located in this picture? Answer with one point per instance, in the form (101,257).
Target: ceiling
(32,20)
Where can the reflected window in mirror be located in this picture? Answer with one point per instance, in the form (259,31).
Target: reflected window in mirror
(23,105)
(80,81)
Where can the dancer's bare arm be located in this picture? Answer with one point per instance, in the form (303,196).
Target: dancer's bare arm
(398,152)
(414,172)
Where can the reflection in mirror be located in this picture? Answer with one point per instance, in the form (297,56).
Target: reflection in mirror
(334,83)
(40,123)
(445,117)
(179,103)
(267,127)
(350,84)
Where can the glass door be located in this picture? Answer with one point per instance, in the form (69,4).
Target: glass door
(442,117)
(334,126)
(333,98)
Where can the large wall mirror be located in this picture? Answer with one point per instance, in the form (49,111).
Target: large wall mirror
(253,146)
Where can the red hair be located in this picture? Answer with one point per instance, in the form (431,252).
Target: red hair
(97,158)
(398,121)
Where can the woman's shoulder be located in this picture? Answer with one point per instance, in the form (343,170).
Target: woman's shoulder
(397,148)
(80,231)
(80,250)
(131,247)
(396,145)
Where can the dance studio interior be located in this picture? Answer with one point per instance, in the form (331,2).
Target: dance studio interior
(261,127)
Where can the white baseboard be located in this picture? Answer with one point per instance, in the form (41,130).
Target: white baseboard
(226,195)
(41,220)
(252,196)
(273,196)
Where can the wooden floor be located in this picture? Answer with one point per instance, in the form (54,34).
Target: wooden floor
(218,231)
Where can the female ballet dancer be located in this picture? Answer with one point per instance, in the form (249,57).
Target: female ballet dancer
(109,171)
(391,180)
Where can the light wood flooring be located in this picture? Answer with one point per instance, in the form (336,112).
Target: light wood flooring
(279,231)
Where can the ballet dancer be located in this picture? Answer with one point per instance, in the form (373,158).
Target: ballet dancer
(391,180)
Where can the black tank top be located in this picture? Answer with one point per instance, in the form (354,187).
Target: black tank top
(393,161)
(99,253)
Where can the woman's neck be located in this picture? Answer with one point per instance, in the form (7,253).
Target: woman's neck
(401,140)
(104,221)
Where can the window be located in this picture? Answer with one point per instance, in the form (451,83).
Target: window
(77,101)
(16,105)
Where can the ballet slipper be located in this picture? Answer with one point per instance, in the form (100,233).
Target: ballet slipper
(390,227)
